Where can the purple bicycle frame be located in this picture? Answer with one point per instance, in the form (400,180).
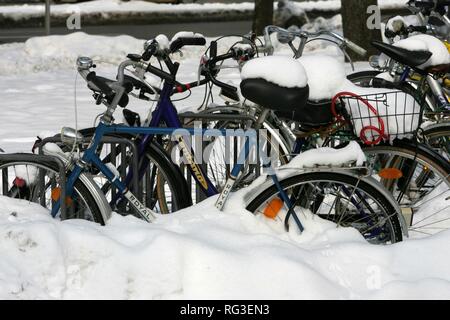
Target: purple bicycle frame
(166,111)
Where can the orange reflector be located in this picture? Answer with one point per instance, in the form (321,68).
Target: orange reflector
(273,208)
(390,173)
(56,194)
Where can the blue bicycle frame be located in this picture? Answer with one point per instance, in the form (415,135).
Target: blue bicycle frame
(90,156)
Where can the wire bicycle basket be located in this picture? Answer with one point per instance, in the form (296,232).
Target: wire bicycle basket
(380,116)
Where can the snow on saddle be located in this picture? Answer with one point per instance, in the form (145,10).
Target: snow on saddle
(421,52)
(281,84)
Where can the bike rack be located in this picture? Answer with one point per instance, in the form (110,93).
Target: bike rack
(188,117)
(39,158)
(115,142)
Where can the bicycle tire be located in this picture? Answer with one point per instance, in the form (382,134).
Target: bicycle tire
(414,195)
(388,209)
(79,187)
(168,169)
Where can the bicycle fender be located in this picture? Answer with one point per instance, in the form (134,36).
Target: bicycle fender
(90,184)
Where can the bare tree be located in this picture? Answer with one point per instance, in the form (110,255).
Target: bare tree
(354,19)
(263,15)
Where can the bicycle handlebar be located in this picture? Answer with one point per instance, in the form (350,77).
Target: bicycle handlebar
(355,48)
(211,63)
(304,35)
(186,41)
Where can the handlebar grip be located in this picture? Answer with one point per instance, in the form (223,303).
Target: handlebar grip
(186,41)
(355,48)
(193,41)
(222,57)
(99,83)
(213,49)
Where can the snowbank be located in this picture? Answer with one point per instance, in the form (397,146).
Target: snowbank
(335,5)
(203,254)
(105,7)
(56,52)
(60,52)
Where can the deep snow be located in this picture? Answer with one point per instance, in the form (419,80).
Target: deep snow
(200,253)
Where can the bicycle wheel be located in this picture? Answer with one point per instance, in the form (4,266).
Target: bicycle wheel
(418,178)
(343,199)
(25,177)
(162,186)
(438,138)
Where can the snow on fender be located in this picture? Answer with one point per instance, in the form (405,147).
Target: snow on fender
(329,157)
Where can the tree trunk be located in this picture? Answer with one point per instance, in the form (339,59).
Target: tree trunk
(263,15)
(355,22)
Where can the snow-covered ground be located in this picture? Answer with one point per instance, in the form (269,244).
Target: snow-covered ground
(105,7)
(195,253)
(200,253)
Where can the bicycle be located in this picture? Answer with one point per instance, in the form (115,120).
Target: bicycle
(424,159)
(341,194)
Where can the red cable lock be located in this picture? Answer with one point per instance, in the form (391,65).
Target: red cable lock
(362,133)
